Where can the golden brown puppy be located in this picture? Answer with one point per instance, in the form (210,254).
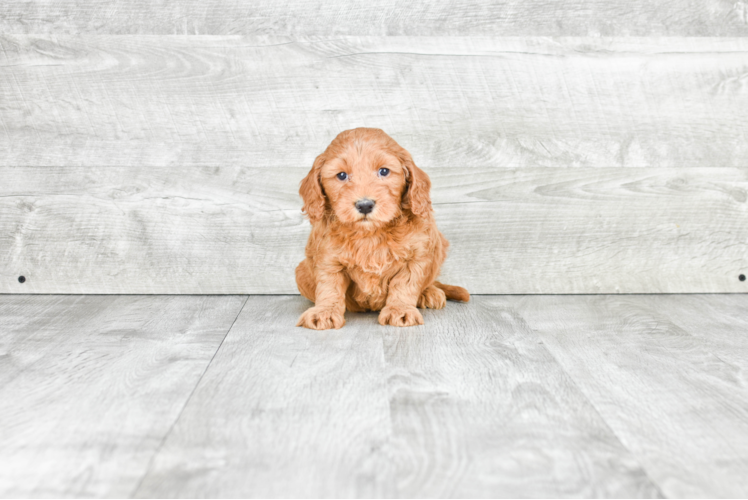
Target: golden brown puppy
(374,243)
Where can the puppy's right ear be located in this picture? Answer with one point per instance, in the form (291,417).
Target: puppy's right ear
(311,192)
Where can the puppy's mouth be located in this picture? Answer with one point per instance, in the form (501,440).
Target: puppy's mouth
(368,222)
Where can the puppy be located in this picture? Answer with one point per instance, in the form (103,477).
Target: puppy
(374,244)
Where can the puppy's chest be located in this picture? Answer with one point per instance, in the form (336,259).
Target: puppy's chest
(372,265)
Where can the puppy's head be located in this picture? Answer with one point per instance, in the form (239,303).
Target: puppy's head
(365,178)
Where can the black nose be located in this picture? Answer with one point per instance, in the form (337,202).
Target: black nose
(365,206)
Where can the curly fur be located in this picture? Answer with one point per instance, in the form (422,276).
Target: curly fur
(387,260)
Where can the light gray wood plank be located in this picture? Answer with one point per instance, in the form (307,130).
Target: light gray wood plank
(671,398)
(379,17)
(232,229)
(475,403)
(283,412)
(480,409)
(90,385)
(721,324)
(459,102)
(469,405)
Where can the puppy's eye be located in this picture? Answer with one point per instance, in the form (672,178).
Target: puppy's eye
(342,176)
(384,172)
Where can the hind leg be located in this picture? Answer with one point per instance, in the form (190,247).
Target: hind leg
(305,280)
(432,298)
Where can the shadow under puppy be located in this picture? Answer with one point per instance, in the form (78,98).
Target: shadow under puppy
(374,243)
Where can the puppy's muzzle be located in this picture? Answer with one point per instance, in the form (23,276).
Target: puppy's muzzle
(365,206)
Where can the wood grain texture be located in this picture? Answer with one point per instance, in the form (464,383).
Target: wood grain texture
(668,391)
(463,102)
(575,396)
(283,412)
(378,17)
(469,405)
(480,409)
(240,230)
(720,324)
(90,385)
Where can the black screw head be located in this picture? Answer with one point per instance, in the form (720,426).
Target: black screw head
(21,279)
(741,277)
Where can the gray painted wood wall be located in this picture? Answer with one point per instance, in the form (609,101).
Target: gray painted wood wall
(594,146)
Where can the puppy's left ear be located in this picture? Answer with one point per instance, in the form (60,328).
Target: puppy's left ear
(311,192)
(417,195)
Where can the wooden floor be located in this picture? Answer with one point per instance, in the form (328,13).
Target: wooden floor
(507,396)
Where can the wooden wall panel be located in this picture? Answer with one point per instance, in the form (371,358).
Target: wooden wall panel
(378,17)
(275,101)
(169,164)
(239,229)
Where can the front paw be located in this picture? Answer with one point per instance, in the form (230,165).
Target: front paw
(321,318)
(400,316)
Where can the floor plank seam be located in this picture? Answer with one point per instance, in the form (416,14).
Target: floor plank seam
(386,367)
(186,402)
(602,418)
